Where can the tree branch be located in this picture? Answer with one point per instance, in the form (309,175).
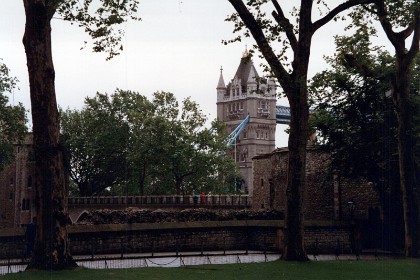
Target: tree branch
(414,49)
(398,38)
(386,25)
(340,8)
(280,72)
(362,68)
(367,71)
(284,23)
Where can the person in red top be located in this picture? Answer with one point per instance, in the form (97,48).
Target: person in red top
(202,197)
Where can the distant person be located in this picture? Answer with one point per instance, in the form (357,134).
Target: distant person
(203,197)
(30,235)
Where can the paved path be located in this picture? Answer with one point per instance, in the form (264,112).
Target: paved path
(170,259)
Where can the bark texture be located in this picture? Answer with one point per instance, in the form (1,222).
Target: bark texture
(406,151)
(51,250)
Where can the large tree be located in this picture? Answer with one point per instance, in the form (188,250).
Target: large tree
(191,156)
(400,21)
(95,143)
(125,144)
(12,117)
(292,76)
(51,249)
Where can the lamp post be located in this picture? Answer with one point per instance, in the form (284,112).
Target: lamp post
(351,205)
(355,237)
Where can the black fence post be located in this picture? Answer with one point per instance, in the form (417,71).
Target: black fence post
(176,246)
(93,249)
(9,267)
(202,244)
(106,263)
(265,244)
(224,245)
(316,248)
(122,247)
(337,249)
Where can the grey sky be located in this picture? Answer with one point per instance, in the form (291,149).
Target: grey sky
(176,48)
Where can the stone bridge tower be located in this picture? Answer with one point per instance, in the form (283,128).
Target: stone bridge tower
(248,94)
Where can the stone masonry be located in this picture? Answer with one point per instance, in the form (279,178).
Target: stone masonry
(327,197)
(16,187)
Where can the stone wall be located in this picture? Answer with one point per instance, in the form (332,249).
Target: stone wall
(17,193)
(186,237)
(7,196)
(327,196)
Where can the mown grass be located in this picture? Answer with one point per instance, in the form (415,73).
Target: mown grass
(339,270)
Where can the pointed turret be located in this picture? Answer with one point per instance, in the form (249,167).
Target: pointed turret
(245,70)
(221,87)
(221,84)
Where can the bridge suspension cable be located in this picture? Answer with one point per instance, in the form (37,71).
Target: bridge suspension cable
(230,139)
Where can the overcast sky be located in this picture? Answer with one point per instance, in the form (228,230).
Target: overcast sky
(176,48)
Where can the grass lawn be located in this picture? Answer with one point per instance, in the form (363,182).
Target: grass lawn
(339,270)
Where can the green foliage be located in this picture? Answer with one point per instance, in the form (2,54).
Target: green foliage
(357,124)
(99,19)
(7,82)
(126,144)
(95,141)
(12,117)
(355,114)
(399,13)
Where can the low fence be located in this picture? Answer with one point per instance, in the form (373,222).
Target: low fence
(175,200)
(123,239)
(158,260)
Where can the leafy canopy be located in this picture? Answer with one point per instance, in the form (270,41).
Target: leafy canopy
(100,19)
(124,143)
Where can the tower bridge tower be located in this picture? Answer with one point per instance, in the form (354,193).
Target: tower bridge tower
(248,94)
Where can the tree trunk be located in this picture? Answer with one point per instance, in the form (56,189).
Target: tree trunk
(406,148)
(296,178)
(178,184)
(297,94)
(142,179)
(51,249)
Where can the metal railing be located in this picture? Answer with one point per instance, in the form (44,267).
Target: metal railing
(175,200)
